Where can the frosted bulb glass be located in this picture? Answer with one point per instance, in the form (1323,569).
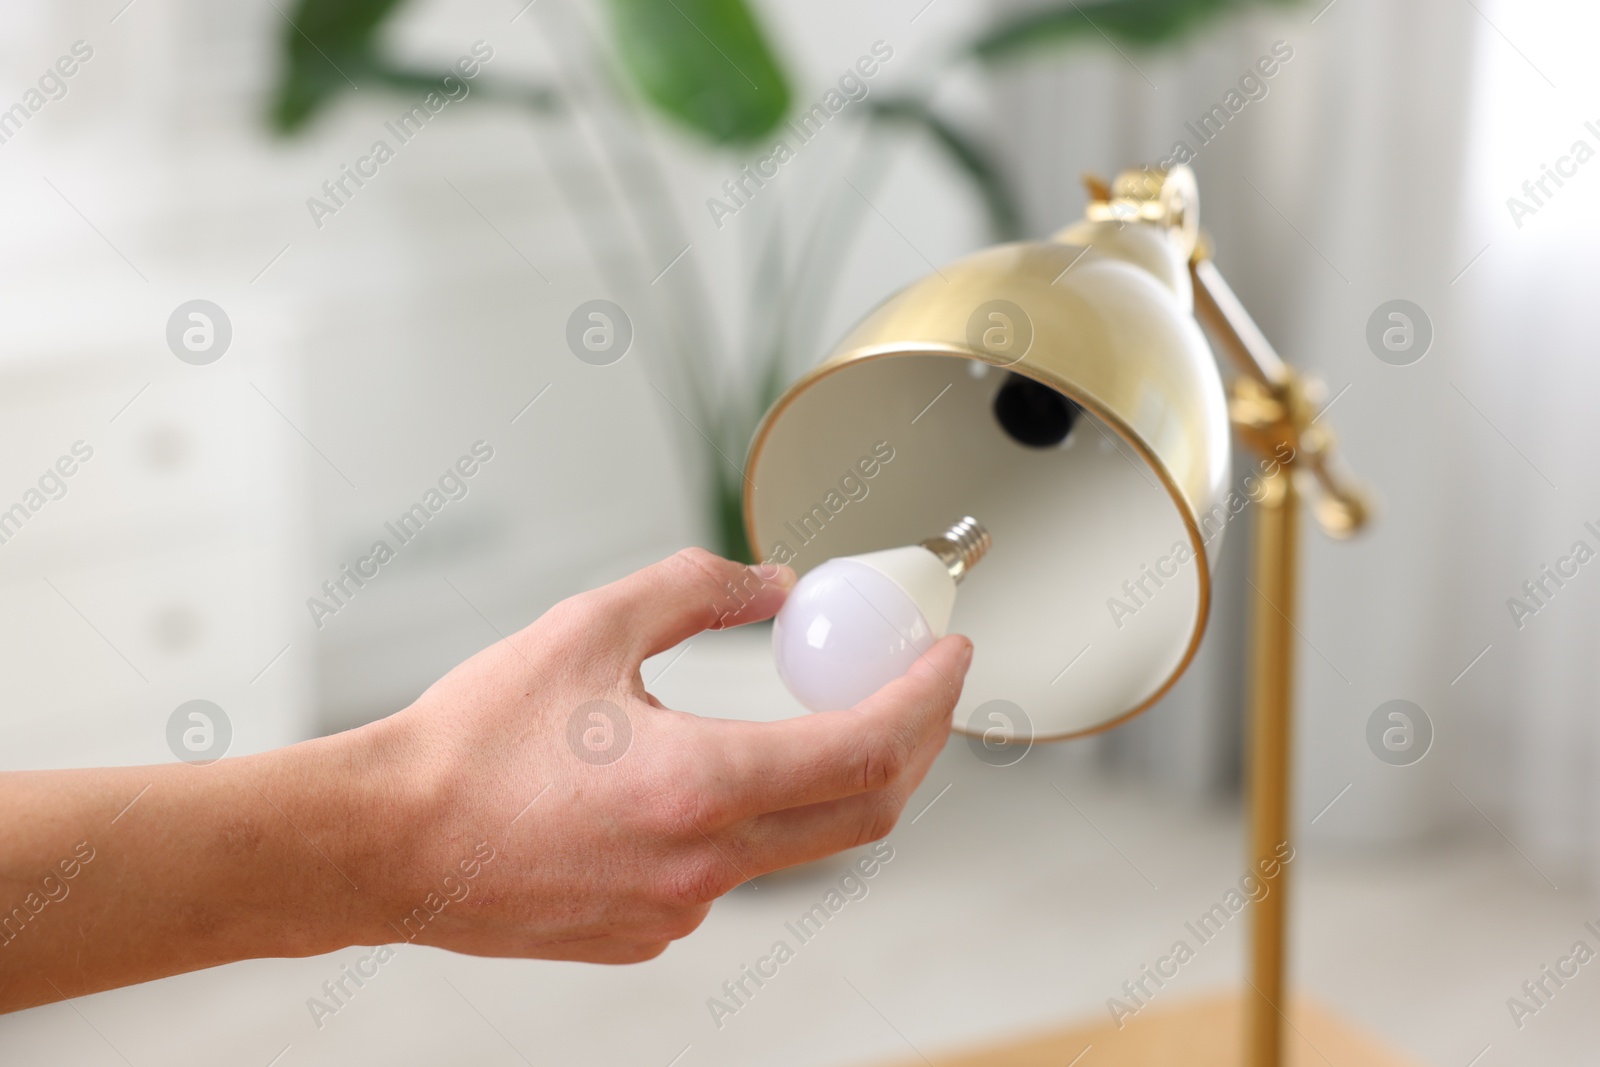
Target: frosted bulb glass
(856,623)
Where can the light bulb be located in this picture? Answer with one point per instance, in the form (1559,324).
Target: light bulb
(856,623)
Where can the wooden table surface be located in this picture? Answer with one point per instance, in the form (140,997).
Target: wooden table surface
(1196,1033)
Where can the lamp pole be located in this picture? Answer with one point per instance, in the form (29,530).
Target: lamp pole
(1271,410)
(1275,553)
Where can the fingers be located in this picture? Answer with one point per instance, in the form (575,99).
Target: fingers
(784,838)
(609,950)
(832,754)
(686,593)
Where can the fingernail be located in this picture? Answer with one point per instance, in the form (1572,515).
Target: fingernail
(776,574)
(966,654)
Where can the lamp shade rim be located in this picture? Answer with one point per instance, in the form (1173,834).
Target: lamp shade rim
(1101,411)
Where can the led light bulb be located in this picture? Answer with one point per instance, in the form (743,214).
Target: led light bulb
(856,623)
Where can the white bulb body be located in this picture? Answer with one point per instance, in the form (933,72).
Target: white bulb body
(854,624)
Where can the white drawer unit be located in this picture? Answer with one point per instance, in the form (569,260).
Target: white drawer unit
(149,548)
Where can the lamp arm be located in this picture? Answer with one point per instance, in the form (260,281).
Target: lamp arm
(1270,405)
(1226,320)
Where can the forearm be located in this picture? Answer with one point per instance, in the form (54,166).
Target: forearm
(534,802)
(122,875)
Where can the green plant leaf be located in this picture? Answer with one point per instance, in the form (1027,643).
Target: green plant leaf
(327,48)
(705,62)
(1136,22)
(1004,216)
(728,510)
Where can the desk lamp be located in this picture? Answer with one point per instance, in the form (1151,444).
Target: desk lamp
(1061,394)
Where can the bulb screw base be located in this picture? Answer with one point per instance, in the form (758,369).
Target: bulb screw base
(961,546)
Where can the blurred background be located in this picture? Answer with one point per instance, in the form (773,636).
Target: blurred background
(361,335)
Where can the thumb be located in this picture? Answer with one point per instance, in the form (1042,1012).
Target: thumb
(830,754)
(927,693)
(690,591)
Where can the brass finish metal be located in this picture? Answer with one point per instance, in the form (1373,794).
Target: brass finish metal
(1146,390)
(1097,187)
(1225,318)
(1170,199)
(1275,552)
(1272,409)
(1272,404)
(1155,403)
(1146,394)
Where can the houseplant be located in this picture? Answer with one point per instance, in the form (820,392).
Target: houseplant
(708,68)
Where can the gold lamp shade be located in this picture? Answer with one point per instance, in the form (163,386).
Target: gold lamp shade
(951,399)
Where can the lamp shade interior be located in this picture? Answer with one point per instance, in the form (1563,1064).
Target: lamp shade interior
(1092,598)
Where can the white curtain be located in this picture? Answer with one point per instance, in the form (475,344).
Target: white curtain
(1528,310)
(1377,167)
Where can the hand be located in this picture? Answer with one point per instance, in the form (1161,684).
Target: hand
(536,801)
(598,825)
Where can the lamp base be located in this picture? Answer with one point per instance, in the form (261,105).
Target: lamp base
(1197,1033)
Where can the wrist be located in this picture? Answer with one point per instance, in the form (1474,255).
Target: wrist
(351,808)
(396,803)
